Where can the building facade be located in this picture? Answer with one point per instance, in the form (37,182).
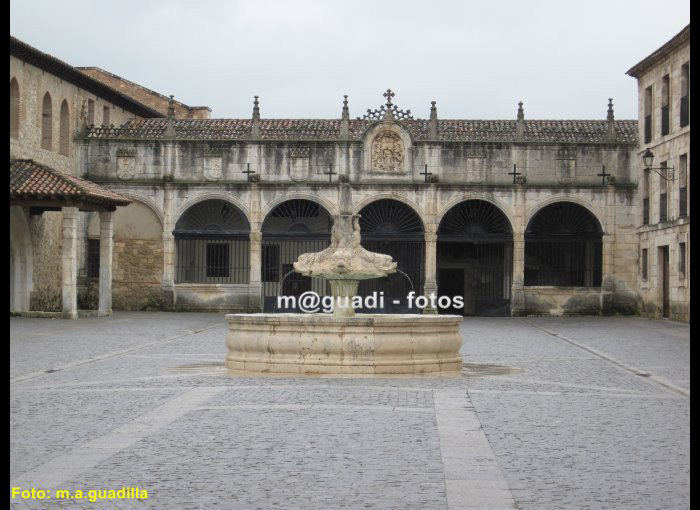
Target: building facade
(519,216)
(662,162)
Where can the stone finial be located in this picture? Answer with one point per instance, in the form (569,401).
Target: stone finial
(389,113)
(255,129)
(611,135)
(345,119)
(170,128)
(433,120)
(520,124)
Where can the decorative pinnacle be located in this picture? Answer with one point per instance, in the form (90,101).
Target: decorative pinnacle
(388,95)
(521,112)
(256,108)
(433,110)
(346,110)
(171,107)
(611,112)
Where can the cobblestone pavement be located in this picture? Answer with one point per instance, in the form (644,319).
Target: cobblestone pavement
(548,413)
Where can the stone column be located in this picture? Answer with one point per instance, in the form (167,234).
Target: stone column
(518,287)
(607,284)
(430,284)
(517,293)
(69,268)
(255,282)
(106,247)
(168,285)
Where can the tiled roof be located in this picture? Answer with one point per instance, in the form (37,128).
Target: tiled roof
(545,131)
(30,180)
(59,68)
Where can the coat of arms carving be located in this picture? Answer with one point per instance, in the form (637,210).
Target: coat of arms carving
(387,152)
(126,167)
(212,167)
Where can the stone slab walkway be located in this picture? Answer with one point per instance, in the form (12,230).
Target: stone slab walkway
(548,413)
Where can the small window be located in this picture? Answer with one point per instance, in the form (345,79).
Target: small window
(14,109)
(665,96)
(46,123)
(663,192)
(683,186)
(105,116)
(217,260)
(91,112)
(647,114)
(645,264)
(64,131)
(685,93)
(93,258)
(681,261)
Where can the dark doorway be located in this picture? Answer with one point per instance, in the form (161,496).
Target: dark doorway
(392,228)
(664,260)
(475,251)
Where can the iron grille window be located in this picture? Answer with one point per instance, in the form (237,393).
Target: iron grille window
(683,186)
(685,92)
(645,211)
(665,96)
(271,267)
(212,260)
(218,260)
(683,202)
(645,264)
(93,258)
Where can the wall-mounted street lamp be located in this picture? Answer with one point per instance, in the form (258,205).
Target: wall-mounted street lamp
(648,159)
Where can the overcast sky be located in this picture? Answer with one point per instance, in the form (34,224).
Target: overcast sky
(476,59)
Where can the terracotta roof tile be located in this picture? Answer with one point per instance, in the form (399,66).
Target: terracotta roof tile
(30,180)
(544,131)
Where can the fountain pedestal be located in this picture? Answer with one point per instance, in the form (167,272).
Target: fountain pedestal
(327,344)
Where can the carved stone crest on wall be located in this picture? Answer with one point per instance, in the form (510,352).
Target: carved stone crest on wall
(387,152)
(126,164)
(299,163)
(212,163)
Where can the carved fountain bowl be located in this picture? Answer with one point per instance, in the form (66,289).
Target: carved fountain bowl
(362,344)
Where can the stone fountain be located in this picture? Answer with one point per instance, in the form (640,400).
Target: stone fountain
(342,342)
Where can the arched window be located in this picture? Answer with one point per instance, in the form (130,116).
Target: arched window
(391,227)
(475,258)
(14,109)
(46,123)
(563,247)
(64,133)
(212,244)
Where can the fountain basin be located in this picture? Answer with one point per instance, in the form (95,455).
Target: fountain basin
(361,344)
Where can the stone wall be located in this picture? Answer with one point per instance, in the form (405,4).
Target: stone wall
(676,229)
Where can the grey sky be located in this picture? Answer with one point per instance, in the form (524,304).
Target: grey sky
(476,59)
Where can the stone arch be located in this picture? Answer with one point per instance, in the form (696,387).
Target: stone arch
(147,201)
(500,205)
(392,196)
(234,201)
(330,207)
(532,212)
(14,109)
(46,123)
(391,226)
(563,246)
(475,256)
(21,260)
(64,130)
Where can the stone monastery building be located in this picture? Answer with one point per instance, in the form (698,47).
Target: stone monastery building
(519,216)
